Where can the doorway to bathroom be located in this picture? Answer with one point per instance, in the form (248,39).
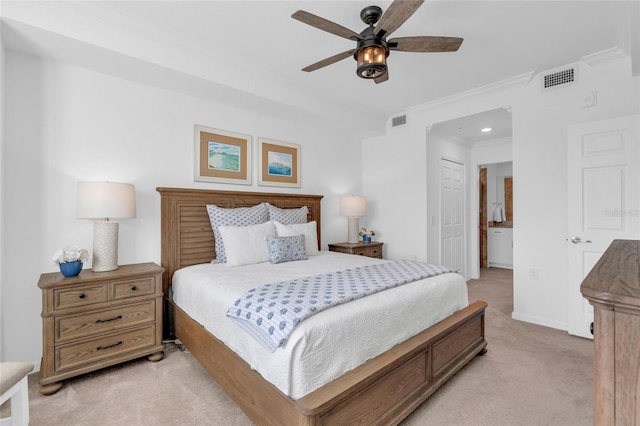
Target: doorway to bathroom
(495,223)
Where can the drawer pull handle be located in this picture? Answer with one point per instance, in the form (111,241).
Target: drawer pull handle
(99,321)
(102,348)
(134,288)
(82,296)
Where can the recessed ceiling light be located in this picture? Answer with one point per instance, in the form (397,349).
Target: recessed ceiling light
(486,129)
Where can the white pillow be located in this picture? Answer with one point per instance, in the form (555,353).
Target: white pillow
(309,231)
(240,216)
(245,245)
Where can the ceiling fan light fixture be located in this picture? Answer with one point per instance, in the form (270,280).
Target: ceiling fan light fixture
(373,48)
(372,61)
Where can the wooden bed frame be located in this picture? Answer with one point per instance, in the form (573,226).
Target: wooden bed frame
(384,390)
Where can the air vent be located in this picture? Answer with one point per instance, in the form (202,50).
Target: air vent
(559,78)
(399,120)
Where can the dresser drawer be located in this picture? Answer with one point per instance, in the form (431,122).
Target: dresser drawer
(133,288)
(81,354)
(90,324)
(79,296)
(369,251)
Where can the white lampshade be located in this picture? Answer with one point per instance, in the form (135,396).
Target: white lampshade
(105,200)
(353,207)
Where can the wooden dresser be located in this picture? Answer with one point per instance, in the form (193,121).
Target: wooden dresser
(613,288)
(99,319)
(372,249)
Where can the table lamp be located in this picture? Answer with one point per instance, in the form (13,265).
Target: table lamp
(105,201)
(354,208)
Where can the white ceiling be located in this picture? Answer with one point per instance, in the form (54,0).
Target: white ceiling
(251,52)
(468,130)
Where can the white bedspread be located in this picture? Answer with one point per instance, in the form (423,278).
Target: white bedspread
(325,345)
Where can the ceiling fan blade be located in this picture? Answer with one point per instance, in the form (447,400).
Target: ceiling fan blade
(325,25)
(395,15)
(384,77)
(329,61)
(425,44)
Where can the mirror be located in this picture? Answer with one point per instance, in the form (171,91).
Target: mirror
(499,175)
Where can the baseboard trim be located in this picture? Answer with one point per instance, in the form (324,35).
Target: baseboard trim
(539,321)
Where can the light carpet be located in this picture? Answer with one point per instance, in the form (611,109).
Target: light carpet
(531,375)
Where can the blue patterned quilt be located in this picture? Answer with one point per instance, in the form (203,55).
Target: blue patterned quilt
(269,313)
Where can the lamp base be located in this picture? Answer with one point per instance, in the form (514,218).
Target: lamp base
(353,228)
(105,246)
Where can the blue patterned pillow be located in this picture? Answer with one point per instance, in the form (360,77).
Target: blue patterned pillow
(286,249)
(287,216)
(241,216)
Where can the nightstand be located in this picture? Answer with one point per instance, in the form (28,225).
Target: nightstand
(99,319)
(372,249)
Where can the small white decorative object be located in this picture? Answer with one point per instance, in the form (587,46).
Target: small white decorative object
(70,254)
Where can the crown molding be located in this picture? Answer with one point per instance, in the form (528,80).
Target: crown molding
(604,57)
(519,80)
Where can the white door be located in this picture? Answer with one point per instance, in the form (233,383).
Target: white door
(452,215)
(604,200)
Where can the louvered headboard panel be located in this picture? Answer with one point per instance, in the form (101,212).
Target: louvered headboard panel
(187,237)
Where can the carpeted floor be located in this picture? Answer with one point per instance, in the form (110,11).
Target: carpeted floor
(531,375)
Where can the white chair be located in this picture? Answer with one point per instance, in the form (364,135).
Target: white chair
(14,386)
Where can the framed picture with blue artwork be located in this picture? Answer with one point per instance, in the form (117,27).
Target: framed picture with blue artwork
(279,163)
(222,156)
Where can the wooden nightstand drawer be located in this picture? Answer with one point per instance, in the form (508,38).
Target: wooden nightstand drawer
(90,324)
(369,251)
(109,346)
(133,288)
(373,249)
(79,296)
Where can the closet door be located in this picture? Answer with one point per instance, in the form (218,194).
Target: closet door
(452,215)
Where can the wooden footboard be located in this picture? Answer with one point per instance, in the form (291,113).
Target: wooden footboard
(384,390)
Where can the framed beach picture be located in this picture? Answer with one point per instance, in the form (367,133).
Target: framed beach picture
(279,163)
(222,156)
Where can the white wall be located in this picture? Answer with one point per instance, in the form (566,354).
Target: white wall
(393,167)
(2,179)
(66,124)
(540,121)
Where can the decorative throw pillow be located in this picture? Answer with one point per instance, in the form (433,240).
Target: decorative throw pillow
(245,245)
(286,249)
(288,216)
(241,216)
(309,230)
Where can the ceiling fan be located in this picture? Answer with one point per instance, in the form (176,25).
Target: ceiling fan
(372,46)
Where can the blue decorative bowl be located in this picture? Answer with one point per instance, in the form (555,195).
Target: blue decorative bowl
(71,269)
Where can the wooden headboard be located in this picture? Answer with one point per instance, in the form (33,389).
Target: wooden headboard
(186,234)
